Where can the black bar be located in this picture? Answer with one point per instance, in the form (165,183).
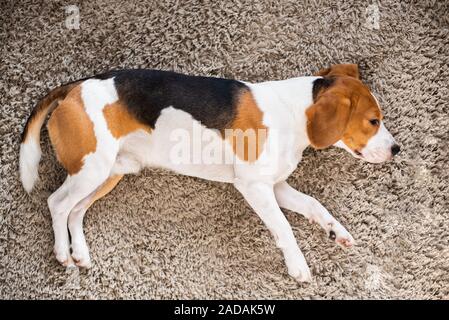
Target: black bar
(226,309)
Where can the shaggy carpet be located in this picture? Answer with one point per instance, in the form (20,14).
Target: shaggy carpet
(161,235)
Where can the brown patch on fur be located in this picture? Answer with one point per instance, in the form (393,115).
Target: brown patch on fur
(343,111)
(248,133)
(105,188)
(120,121)
(359,130)
(72,132)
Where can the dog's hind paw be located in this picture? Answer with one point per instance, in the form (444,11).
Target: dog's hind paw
(80,255)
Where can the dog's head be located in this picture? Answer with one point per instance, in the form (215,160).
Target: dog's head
(346,114)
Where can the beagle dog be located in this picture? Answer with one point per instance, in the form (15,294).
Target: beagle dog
(249,134)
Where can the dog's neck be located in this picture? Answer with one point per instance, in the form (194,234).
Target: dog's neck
(287,100)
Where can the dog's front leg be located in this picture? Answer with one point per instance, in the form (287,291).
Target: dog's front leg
(293,200)
(261,198)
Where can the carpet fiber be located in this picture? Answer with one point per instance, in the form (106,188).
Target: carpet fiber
(161,235)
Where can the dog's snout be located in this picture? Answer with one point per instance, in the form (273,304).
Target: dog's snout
(395,149)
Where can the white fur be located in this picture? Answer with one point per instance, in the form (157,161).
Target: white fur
(30,155)
(293,200)
(164,140)
(284,104)
(260,196)
(96,94)
(378,148)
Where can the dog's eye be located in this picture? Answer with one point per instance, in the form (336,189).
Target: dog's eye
(374,122)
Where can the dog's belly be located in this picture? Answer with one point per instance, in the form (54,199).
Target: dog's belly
(178,143)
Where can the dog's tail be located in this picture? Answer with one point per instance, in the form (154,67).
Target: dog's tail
(30,150)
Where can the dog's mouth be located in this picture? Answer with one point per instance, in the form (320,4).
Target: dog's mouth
(374,156)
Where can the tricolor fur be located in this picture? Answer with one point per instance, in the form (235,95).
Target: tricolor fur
(122,121)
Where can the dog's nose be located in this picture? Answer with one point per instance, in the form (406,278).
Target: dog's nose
(395,149)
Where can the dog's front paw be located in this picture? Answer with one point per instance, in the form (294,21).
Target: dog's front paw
(340,235)
(299,270)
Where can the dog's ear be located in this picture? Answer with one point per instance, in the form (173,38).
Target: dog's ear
(327,119)
(351,70)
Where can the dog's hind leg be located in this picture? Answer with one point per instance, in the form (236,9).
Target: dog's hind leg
(80,250)
(125,163)
(86,141)
(62,201)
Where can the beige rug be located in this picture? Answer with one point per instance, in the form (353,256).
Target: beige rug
(160,235)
